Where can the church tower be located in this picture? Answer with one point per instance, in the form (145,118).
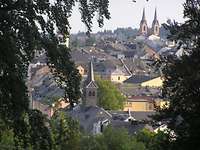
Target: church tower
(91,88)
(143,24)
(155,25)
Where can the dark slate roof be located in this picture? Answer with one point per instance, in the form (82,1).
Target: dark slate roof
(138,115)
(131,127)
(87,116)
(119,117)
(42,81)
(130,90)
(137,79)
(129,54)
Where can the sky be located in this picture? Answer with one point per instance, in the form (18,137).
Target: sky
(125,13)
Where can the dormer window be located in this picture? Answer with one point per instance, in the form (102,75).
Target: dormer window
(93,93)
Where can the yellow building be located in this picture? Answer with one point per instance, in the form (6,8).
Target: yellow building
(155,83)
(81,70)
(118,76)
(139,103)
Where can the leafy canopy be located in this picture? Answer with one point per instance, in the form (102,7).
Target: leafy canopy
(26,27)
(109,96)
(182,80)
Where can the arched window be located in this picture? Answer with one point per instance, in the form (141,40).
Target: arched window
(90,93)
(93,93)
(157,29)
(144,28)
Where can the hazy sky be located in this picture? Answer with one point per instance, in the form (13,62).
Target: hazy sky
(125,13)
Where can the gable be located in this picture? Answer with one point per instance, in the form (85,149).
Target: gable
(92,84)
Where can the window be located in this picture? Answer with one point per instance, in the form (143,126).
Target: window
(144,28)
(156,28)
(93,93)
(118,78)
(90,93)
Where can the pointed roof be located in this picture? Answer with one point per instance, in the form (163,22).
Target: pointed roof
(91,72)
(90,80)
(92,84)
(155,15)
(155,20)
(143,21)
(143,15)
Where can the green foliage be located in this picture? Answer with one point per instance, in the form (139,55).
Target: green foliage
(109,96)
(65,132)
(112,139)
(27,26)
(121,140)
(182,81)
(33,135)
(154,141)
(93,143)
(40,137)
(7,140)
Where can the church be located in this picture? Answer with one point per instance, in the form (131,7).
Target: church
(153,30)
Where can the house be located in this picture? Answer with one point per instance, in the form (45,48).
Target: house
(92,118)
(153,83)
(118,75)
(49,109)
(140,103)
(138,79)
(150,53)
(45,109)
(81,70)
(133,122)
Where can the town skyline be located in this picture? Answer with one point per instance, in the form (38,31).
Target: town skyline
(123,18)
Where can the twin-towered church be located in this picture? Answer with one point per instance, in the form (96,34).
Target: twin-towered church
(145,30)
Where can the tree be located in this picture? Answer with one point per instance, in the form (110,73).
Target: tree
(154,141)
(38,132)
(27,26)
(182,81)
(109,96)
(93,143)
(121,140)
(112,139)
(65,132)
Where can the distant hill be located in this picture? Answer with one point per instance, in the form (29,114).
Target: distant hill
(120,34)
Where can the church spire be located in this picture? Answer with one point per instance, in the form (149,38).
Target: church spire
(143,24)
(144,15)
(91,72)
(90,88)
(155,25)
(155,15)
